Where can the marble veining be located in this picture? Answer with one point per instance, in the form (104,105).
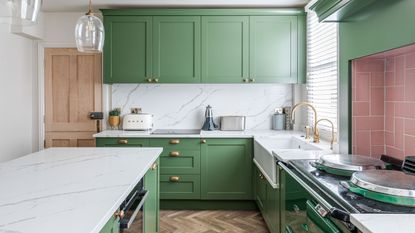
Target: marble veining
(69,189)
(182,106)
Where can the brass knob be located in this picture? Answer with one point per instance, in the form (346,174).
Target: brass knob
(203,141)
(245,80)
(120,214)
(174,178)
(156,80)
(174,141)
(252,80)
(174,153)
(123,141)
(154,167)
(261,176)
(149,80)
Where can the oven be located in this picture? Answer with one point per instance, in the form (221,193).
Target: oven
(132,219)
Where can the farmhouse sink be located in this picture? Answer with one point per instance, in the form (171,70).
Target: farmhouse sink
(294,146)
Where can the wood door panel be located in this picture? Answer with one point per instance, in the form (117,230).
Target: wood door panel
(73,89)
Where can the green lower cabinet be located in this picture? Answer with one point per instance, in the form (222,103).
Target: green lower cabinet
(226,169)
(260,189)
(182,187)
(122,142)
(112,226)
(152,203)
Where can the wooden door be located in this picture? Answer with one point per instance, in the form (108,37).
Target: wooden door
(225,49)
(176,49)
(73,89)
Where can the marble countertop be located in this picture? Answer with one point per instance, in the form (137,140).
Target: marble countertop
(69,190)
(384,223)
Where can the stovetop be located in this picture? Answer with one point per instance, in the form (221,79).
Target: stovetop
(330,184)
(176,131)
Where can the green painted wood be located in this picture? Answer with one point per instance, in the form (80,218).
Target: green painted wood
(176,49)
(188,187)
(152,204)
(188,162)
(207,205)
(338,10)
(112,226)
(202,12)
(372,30)
(115,142)
(260,190)
(225,49)
(226,171)
(169,144)
(272,208)
(127,49)
(273,49)
(301,41)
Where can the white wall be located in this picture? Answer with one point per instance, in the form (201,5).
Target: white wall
(18,100)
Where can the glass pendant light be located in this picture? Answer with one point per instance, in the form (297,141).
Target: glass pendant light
(89,33)
(19,12)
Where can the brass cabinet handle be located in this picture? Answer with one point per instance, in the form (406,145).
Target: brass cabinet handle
(245,80)
(149,80)
(261,176)
(252,80)
(156,80)
(154,166)
(120,214)
(174,178)
(174,141)
(174,153)
(123,141)
(203,141)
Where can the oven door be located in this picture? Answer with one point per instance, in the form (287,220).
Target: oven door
(132,222)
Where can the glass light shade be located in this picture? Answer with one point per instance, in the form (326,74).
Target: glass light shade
(89,34)
(20,12)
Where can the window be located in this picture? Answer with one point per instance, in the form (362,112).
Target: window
(322,71)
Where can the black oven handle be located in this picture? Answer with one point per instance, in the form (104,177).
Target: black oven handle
(142,195)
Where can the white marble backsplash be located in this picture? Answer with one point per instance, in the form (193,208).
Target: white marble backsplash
(182,106)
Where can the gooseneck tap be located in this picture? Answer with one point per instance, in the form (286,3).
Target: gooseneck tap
(332,131)
(316,135)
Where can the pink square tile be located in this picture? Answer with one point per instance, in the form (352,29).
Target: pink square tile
(410,60)
(410,127)
(377,79)
(377,138)
(354,151)
(369,123)
(377,101)
(389,109)
(391,151)
(370,65)
(377,122)
(409,145)
(363,142)
(390,79)
(405,109)
(395,93)
(390,64)
(399,130)
(410,85)
(362,87)
(389,139)
(390,124)
(377,151)
(360,108)
(399,70)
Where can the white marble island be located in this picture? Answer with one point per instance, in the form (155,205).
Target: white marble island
(69,189)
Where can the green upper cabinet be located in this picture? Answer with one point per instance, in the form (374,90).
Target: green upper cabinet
(176,49)
(273,49)
(225,49)
(226,169)
(127,50)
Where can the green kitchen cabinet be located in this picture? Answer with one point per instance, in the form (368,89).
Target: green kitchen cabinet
(260,192)
(226,169)
(176,49)
(182,187)
(225,49)
(112,226)
(152,203)
(122,142)
(274,49)
(127,50)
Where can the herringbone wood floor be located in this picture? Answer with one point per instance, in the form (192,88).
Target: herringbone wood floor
(211,221)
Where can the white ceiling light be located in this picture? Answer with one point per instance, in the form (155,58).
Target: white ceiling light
(19,12)
(89,33)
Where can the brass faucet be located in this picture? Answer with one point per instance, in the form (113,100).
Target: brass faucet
(332,131)
(316,135)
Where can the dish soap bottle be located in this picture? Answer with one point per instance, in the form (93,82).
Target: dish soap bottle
(209,125)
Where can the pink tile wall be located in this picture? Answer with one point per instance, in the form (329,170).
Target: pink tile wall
(383,106)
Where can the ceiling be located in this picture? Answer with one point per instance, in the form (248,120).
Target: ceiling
(82,5)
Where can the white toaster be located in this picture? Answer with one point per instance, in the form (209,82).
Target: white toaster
(137,121)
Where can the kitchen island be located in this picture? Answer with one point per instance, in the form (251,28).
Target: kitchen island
(69,189)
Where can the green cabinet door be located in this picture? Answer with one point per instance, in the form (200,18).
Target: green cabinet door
(152,203)
(272,208)
(226,169)
(273,49)
(112,226)
(176,49)
(127,49)
(225,49)
(260,190)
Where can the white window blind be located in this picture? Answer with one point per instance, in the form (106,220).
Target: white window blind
(322,71)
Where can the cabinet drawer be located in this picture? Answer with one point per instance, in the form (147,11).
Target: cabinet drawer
(176,143)
(122,142)
(180,162)
(180,186)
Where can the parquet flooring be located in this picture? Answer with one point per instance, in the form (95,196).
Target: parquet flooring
(211,221)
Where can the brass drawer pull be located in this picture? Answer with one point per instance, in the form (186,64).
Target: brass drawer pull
(119,214)
(203,141)
(261,176)
(174,141)
(123,141)
(154,167)
(174,153)
(174,178)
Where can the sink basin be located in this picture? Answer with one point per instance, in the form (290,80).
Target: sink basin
(266,161)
